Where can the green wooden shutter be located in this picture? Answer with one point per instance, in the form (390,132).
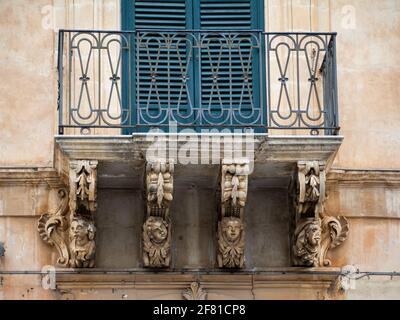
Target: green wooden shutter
(161,65)
(222,79)
(227,64)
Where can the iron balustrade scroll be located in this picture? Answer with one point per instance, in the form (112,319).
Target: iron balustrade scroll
(137,80)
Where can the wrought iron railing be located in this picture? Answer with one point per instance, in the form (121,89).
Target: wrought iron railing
(125,81)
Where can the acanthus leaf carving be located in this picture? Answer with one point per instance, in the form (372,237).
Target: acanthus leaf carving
(52,229)
(234,184)
(195,292)
(83,187)
(156,236)
(159,187)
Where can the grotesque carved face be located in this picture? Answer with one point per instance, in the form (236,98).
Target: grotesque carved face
(81,230)
(313,234)
(157,229)
(232,228)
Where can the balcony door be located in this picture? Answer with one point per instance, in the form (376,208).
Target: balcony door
(194,62)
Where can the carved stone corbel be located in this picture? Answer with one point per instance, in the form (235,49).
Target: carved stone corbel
(83,205)
(231,228)
(53,228)
(315,232)
(157,226)
(73,235)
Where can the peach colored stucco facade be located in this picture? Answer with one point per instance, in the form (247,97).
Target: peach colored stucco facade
(363,183)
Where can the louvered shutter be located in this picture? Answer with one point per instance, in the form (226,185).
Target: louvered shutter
(228,60)
(220,71)
(161,59)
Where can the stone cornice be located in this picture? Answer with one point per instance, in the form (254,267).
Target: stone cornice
(372,177)
(245,280)
(29,176)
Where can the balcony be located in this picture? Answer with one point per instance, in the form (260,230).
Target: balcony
(119,83)
(228,112)
(119,91)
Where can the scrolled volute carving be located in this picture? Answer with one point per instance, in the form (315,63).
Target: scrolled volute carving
(52,229)
(334,232)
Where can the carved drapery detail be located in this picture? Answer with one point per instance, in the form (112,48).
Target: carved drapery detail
(231,228)
(195,292)
(53,229)
(157,226)
(315,233)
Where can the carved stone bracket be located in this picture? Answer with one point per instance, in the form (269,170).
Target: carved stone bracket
(315,233)
(83,205)
(74,235)
(195,292)
(157,226)
(231,228)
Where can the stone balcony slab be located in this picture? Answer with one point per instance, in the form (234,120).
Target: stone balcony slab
(122,158)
